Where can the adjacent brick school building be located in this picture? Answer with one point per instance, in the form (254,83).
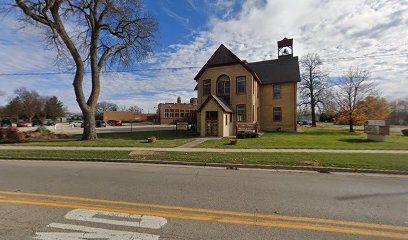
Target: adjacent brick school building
(171,113)
(231,91)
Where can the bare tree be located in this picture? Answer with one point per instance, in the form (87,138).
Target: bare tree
(104,107)
(31,102)
(351,89)
(313,86)
(134,109)
(92,33)
(14,109)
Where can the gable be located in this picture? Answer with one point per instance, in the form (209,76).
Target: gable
(224,57)
(218,101)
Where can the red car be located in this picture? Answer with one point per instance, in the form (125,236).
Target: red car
(115,122)
(22,124)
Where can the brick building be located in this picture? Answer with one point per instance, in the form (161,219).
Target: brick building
(232,91)
(171,113)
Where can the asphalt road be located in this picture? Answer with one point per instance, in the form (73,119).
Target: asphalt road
(75,201)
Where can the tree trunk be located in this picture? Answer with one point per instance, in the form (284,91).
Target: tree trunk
(351,123)
(89,125)
(313,115)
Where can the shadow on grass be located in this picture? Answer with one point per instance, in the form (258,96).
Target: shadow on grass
(116,137)
(160,135)
(356,141)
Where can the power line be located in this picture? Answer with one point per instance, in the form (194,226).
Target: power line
(107,71)
(185,68)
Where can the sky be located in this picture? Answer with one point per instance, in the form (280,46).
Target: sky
(370,34)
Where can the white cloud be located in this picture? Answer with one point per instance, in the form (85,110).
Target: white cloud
(333,29)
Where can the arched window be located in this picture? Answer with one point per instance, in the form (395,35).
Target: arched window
(223,85)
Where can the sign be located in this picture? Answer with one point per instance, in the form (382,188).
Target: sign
(182,126)
(376,123)
(242,127)
(377,127)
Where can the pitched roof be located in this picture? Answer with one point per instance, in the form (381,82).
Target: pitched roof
(283,69)
(223,56)
(219,101)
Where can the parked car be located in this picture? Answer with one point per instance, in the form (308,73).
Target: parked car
(115,122)
(100,123)
(77,123)
(48,122)
(304,123)
(22,124)
(36,122)
(5,122)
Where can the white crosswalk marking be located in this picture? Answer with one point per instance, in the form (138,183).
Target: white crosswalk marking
(90,216)
(84,232)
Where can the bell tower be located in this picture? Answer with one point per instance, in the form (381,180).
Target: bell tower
(285,47)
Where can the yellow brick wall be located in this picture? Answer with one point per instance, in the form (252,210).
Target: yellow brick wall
(232,71)
(223,129)
(287,102)
(259,102)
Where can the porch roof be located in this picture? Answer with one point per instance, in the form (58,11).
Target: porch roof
(224,106)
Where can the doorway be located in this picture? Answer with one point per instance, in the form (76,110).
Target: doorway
(211,123)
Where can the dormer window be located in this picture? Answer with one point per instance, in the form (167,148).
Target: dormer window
(223,85)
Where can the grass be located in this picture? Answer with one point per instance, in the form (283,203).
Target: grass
(65,154)
(167,138)
(312,138)
(344,160)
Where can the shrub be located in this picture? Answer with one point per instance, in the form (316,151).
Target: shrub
(405,132)
(247,135)
(43,131)
(10,134)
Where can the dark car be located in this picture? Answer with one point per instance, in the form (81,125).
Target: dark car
(100,123)
(36,122)
(48,122)
(6,122)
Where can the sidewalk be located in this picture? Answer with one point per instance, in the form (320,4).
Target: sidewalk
(187,149)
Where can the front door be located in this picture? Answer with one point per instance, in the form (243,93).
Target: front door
(211,123)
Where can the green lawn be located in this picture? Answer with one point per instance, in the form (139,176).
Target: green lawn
(358,160)
(167,138)
(322,137)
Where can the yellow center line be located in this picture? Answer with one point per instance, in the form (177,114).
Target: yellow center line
(219,219)
(209,211)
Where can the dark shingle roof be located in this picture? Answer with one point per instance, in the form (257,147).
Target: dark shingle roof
(223,56)
(219,101)
(284,69)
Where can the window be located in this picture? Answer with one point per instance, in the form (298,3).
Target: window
(181,113)
(223,85)
(177,115)
(241,85)
(207,87)
(226,120)
(241,113)
(171,113)
(277,114)
(276,91)
(166,113)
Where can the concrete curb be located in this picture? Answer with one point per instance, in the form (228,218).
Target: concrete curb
(221,165)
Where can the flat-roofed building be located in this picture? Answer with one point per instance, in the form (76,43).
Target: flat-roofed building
(171,113)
